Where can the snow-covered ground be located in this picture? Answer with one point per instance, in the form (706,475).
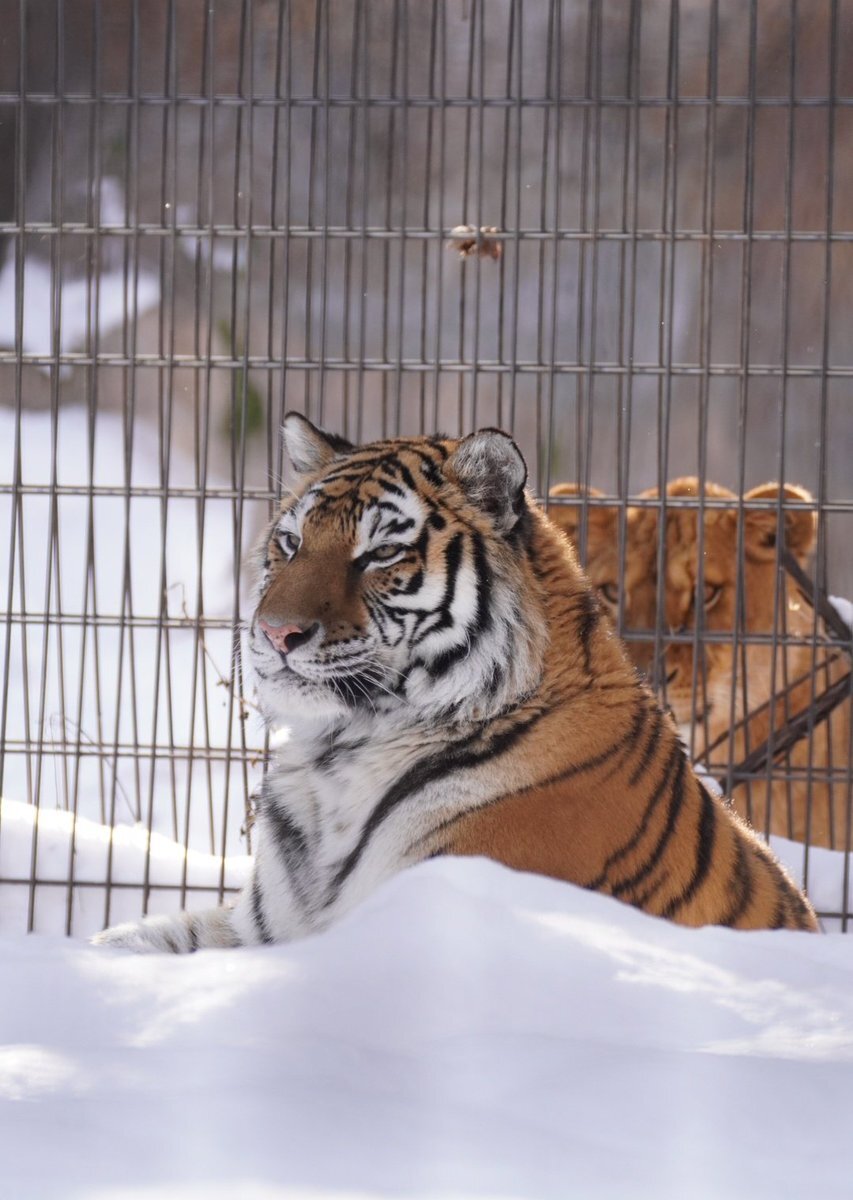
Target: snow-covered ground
(468,1031)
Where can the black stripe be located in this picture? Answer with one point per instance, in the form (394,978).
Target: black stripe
(704,853)
(624,850)
(414,584)
(590,611)
(292,847)
(258,912)
(742,884)
(452,562)
(192,931)
(400,526)
(797,907)
(483,571)
(651,746)
(170,940)
(780,913)
(675,805)
(586,764)
(469,752)
(337,750)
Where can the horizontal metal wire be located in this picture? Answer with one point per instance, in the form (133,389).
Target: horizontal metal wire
(358,233)
(441,103)
(427,366)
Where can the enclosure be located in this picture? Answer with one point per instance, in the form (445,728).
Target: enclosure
(213,213)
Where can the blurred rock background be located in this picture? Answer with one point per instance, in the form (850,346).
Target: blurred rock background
(274,183)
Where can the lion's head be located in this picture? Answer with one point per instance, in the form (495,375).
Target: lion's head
(720,676)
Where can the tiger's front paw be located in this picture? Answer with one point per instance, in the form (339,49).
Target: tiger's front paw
(152,936)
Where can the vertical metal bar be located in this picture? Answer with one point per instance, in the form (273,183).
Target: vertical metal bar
(246,89)
(706,310)
(390,160)
(403,183)
(555,237)
(478,20)
(93,207)
(669,211)
(51,563)
(823,437)
(363,10)
(130,332)
(440,220)
(517,28)
(739,647)
(780,590)
(628,307)
(164,414)
(16,545)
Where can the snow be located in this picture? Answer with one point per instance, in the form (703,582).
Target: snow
(76,304)
(468,1031)
(126,855)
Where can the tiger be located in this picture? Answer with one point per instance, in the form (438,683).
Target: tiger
(450,687)
(735,710)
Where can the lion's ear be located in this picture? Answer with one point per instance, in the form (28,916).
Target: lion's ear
(761,527)
(601,521)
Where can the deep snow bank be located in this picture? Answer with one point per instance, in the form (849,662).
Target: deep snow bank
(469,1031)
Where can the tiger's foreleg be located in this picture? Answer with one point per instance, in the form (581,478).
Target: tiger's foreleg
(183,933)
(178,934)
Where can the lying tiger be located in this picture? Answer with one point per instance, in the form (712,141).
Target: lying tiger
(451,688)
(787,681)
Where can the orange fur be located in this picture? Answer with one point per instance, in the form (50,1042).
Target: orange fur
(611,802)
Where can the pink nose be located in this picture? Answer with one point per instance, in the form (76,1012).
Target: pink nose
(285,637)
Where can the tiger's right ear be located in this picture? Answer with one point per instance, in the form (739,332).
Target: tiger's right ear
(310,449)
(601,521)
(491,470)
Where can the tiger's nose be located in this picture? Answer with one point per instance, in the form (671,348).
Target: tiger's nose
(286,637)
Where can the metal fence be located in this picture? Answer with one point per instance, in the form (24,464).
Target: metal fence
(211,213)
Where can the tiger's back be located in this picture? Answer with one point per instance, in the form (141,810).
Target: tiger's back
(451,687)
(619,809)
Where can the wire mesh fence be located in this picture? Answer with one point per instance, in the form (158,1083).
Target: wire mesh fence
(623,231)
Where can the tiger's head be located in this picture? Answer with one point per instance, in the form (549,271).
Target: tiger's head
(699,687)
(392,580)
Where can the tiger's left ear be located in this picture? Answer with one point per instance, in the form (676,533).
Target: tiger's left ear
(309,448)
(491,471)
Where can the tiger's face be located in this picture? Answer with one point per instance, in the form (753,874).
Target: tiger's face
(394,580)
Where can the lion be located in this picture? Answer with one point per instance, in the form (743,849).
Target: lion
(729,693)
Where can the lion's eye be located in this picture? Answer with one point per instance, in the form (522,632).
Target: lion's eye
(289,543)
(713,591)
(610,592)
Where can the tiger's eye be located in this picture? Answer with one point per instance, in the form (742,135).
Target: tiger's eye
(610,592)
(383,553)
(289,542)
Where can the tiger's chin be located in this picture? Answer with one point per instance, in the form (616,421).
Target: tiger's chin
(292,701)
